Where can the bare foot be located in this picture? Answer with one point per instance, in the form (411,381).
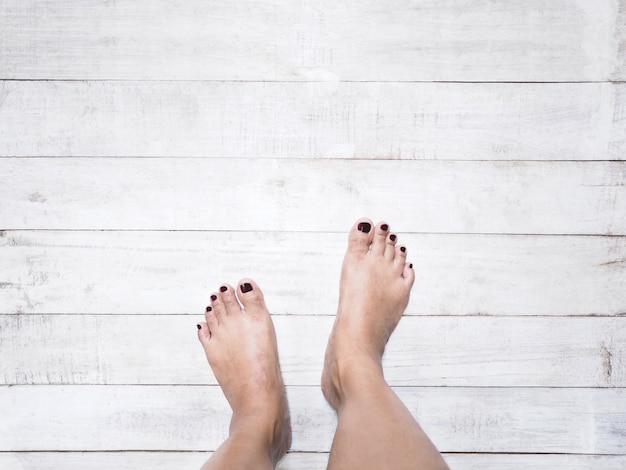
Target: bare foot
(374,291)
(240,345)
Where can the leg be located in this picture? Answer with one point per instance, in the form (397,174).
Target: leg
(375,430)
(240,345)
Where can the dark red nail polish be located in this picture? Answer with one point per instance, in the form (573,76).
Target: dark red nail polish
(364,227)
(246,287)
(199,326)
(209,308)
(392,238)
(223,289)
(384,227)
(403,249)
(411,265)
(214,297)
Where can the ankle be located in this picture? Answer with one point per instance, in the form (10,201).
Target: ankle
(269,431)
(349,376)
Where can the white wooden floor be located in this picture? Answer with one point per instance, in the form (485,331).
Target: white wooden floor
(150,150)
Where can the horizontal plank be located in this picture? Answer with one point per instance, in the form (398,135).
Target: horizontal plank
(312,195)
(292,461)
(444,121)
(500,420)
(457,40)
(175,272)
(424,351)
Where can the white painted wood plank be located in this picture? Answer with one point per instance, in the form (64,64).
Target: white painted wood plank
(620,42)
(617,143)
(424,351)
(444,121)
(292,461)
(458,40)
(313,195)
(501,420)
(175,272)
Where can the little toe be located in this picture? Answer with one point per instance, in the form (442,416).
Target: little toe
(390,246)
(360,237)
(227,294)
(204,333)
(251,297)
(379,240)
(408,274)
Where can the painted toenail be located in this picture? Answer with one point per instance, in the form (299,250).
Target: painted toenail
(364,227)
(411,265)
(246,287)
(209,308)
(392,238)
(214,297)
(199,326)
(384,227)
(223,289)
(402,249)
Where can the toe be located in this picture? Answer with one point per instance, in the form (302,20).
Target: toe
(390,244)
(227,294)
(251,297)
(204,333)
(360,236)
(399,259)
(219,309)
(408,274)
(379,239)
(211,318)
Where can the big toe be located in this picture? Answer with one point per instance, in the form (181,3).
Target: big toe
(360,237)
(251,297)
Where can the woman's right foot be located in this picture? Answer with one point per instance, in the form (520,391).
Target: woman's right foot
(375,285)
(240,344)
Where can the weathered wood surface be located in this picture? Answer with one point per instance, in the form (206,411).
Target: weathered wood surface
(292,461)
(175,272)
(424,351)
(313,195)
(166,418)
(620,42)
(444,121)
(451,40)
(296,112)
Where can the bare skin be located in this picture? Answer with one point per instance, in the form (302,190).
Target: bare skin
(375,430)
(240,345)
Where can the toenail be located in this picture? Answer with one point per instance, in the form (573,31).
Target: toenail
(209,308)
(364,227)
(411,265)
(199,326)
(392,238)
(223,289)
(403,249)
(246,287)
(384,227)
(214,297)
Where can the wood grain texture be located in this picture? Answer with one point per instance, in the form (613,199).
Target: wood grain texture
(313,195)
(175,272)
(292,461)
(501,420)
(444,121)
(457,40)
(620,41)
(268,127)
(424,351)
